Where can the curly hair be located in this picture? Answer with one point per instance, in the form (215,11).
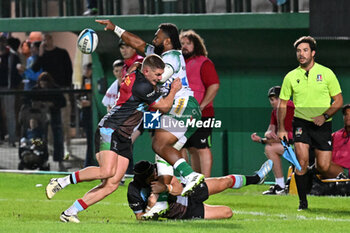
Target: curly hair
(198,42)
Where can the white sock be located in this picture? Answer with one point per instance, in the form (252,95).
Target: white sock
(280,182)
(64,181)
(73,210)
(177,163)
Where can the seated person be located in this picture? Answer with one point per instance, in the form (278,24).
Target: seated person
(273,146)
(143,190)
(341,147)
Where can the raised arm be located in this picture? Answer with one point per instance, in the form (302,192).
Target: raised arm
(128,37)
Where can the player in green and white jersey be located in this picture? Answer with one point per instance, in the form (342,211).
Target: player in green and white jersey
(167,141)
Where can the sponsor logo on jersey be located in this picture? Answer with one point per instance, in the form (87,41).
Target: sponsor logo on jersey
(127,80)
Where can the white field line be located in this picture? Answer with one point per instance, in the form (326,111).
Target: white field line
(290,217)
(63,201)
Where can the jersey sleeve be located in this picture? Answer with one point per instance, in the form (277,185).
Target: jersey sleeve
(173,59)
(333,84)
(136,203)
(286,89)
(208,74)
(146,92)
(149,49)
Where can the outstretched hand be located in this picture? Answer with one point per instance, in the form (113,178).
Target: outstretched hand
(255,137)
(109,25)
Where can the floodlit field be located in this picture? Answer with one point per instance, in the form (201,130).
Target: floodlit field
(24,208)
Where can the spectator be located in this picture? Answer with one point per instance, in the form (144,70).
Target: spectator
(4,53)
(341,146)
(14,81)
(57,63)
(31,77)
(86,114)
(204,82)
(273,146)
(312,87)
(91,8)
(54,102)
(112,92)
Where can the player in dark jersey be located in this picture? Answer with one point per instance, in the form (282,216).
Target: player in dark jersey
(112,141)
(141,193)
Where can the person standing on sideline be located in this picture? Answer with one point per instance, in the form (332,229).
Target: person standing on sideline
(57,63)
(312,87)
(84,103)
(204,82)
(273,146)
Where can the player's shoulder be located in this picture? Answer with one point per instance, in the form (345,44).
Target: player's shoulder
(322,69)
(142,85)
(172,53)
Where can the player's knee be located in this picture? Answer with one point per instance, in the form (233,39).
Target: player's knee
(157,147)
(323,166)
(227,212)
(106,173)
(268,150)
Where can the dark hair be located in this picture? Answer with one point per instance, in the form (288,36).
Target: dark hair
(14,43)
(154,61)
(45,76)
(274,91)
(199,48)
(142,170)
(121,42)
(172,32)
(345,107)
(118,62)
(306,39)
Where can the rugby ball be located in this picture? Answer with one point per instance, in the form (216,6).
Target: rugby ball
(87,41)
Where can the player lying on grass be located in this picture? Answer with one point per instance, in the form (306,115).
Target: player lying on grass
(143,191)
(113,136)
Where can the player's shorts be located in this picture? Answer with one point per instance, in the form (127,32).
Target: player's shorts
(319,137)
(109,139)
(201,138)
(195,208)
(163,167)
(180,121)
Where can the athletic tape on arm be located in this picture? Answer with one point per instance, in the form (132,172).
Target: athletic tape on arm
(168,72)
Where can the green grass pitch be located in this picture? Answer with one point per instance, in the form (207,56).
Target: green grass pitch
(25,208)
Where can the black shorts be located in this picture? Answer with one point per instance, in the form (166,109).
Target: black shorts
(113,141)
(318,137)
(201,138)
(195,208)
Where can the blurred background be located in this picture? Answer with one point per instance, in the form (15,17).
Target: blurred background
(249,41)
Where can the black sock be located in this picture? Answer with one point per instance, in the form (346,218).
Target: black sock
(252,179)
(302,183)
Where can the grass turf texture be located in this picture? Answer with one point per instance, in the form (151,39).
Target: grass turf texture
(25,208)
